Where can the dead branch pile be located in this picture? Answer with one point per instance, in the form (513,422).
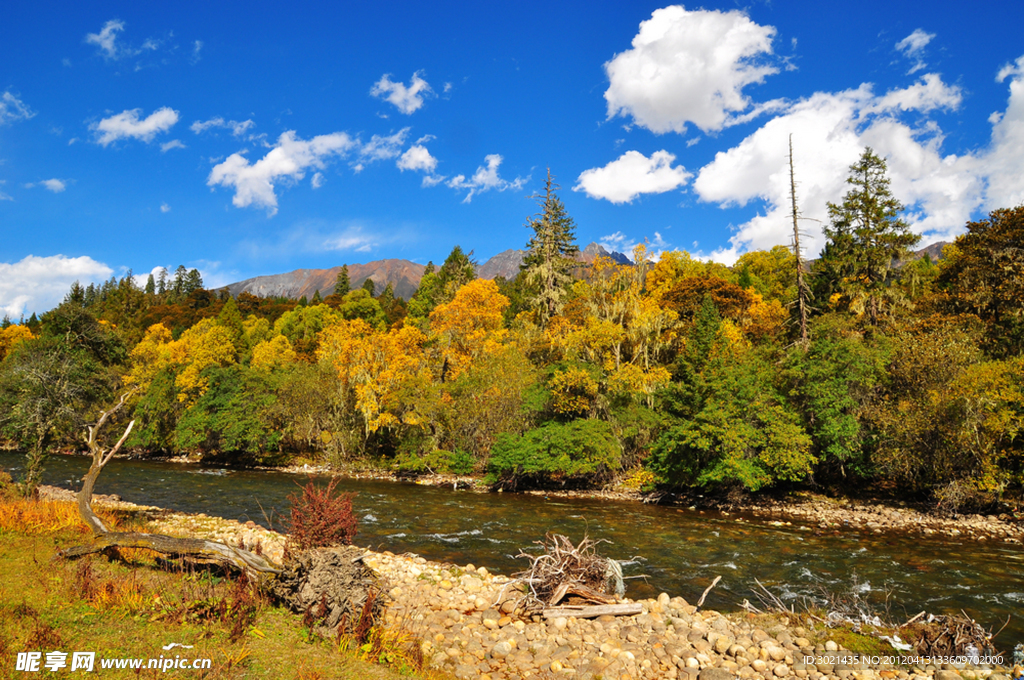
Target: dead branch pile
(565,571)
(948,636)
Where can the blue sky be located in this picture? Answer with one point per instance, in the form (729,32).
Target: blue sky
(253,138)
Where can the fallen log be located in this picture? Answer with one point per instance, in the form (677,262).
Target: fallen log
(592,612)
(104,539)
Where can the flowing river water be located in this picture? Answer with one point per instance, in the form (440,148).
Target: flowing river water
(679,551)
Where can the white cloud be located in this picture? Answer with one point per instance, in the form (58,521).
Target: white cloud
(173,144)
(1004,162)
(197,46)
(54,185)
(36,284)
(417,157)
(830,131)
(381,148)
(484,179)
(352,239)
(631,175)
(286,162)
(913,47)
(238,128)
(689,66)
(406,99)
(619,242)
(126,125)
(164,208)
(3,196)
(13,109)
(106,39)
(317,181)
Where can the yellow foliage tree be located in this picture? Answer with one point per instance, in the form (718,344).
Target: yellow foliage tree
(204,345)
(273,354)
(572,392)
(150,356)
(373,366)
(11,336)
(469,325)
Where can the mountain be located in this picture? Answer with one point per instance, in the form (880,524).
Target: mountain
(507,263)
(403,275)
(595,250)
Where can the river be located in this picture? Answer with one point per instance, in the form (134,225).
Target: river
(676,550)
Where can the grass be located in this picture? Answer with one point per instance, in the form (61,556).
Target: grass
(133,604)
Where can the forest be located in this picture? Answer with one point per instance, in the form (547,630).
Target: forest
(864,368)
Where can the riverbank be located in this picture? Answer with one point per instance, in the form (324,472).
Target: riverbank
(463,617)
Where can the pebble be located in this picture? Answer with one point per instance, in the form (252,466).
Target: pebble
(467,633)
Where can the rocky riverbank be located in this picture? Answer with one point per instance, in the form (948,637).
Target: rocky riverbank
(465,621)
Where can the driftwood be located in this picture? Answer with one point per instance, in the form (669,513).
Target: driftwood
(565,569)
(700,602)
(104,539)
(592,612)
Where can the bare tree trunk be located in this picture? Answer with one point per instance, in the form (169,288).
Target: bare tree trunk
(103,538)
(802,292)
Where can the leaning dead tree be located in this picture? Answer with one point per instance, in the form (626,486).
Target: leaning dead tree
(103,538)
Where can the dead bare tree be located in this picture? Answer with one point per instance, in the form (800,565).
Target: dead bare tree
(103,538)
(802,291)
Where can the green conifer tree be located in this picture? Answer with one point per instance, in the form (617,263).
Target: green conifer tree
(867,238)
(551,253)
(342,285)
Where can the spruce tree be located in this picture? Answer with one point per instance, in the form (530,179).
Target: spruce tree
(316,299)
(866,238)
(150,285)
(370,287)
(551,252)
(342,286)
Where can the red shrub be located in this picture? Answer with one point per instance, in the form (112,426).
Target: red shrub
(320,517)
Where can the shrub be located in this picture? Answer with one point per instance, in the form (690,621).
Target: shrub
(456,462)
(579,451)
(321,517)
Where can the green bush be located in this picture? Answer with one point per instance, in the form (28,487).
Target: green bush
(581,451)
(456,462)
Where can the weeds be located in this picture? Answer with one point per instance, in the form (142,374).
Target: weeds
(320,517)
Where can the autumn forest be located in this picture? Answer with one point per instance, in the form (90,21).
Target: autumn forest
(865,367)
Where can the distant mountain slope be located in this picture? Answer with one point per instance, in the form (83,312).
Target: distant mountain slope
(403,275)
(507,263)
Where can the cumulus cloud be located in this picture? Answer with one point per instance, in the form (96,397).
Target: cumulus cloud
(406,99)
(830,131)
(164,208)
(238,128)
(127,125)
(913,47)
(317,181)
(417,157)
(1004,162)
(36,284)
(287,162)
(13,109)
(631,175)
(689,66)
(484,179)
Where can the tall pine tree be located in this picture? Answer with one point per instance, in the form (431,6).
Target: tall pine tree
(866,239)
(342,285)
(551,253)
